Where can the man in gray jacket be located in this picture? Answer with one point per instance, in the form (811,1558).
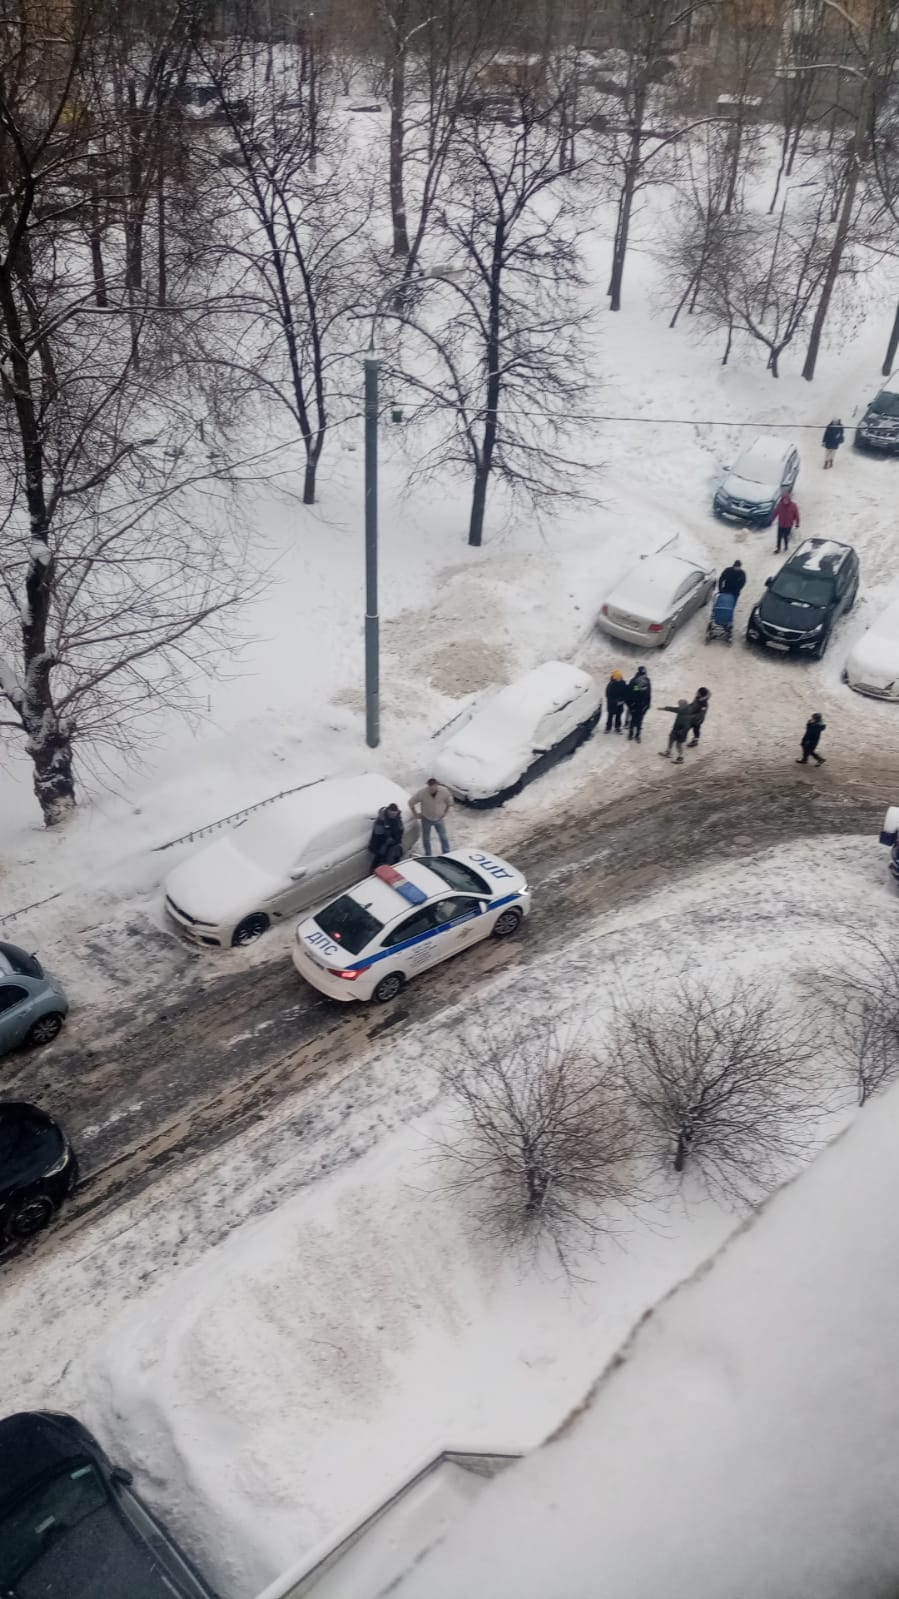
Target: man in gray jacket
(431,804)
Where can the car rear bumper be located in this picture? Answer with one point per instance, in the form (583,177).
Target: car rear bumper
(335,987)
(631,635)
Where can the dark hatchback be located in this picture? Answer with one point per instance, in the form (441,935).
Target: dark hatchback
(70,1525)
(815,587)
(38,1170)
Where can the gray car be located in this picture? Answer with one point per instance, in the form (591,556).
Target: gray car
(32,1005)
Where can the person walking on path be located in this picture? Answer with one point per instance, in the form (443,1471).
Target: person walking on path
(616,699)
(386,842)
(811,738)
(698,712)
(432,804)
(833,438)
(732,580)
(677,738)
(639,699)
(787,514)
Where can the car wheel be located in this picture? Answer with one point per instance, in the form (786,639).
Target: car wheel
(388,988)
(251,928)
(506,924)
(27,1217)
(43,1030)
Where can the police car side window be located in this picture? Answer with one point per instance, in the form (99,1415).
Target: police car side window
(449,910)
(421,922)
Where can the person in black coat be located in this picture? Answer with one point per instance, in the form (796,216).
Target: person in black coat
(699,709)
(833,438)
(616,699)
(386,842)
(811,738)
(677,738)
(732,580)
(639,699)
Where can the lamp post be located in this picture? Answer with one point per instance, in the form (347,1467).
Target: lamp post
(372,620)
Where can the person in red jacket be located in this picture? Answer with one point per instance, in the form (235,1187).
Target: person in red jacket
(787,513)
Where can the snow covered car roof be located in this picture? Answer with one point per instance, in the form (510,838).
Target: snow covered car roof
(496,746)
(766,453)
(820,555)
(648,589)
(873,661)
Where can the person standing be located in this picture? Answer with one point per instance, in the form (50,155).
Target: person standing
(811,738)
(732,580)
(833,438)
(639,699)
(616,699)
(677,738)
(787,514)
(432,804)
(698,712)
(386,842)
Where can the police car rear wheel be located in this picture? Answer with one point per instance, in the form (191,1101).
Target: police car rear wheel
(506,924)
(388,988)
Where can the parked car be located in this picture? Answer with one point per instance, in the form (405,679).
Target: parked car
(32,1004)
(879,427)
(889,835)
(811,591)
(753,485)
(280,860)
(872,666)
(71,1524)
(520,732)
(655,598)
(38,1170)
(405,918)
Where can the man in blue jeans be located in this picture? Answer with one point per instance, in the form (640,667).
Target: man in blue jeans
(431,804)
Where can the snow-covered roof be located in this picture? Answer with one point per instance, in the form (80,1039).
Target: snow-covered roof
(813,555)
(745,1443)
(765,451)
(496,746)
(300,817)
(649,587)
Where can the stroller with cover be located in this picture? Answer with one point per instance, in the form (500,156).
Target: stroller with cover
(721,621)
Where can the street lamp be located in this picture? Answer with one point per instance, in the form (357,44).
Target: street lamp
(372,621)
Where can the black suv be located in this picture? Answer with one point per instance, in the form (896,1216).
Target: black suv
(879,427)
(811,590)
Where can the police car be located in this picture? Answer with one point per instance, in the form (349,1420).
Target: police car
(405,918)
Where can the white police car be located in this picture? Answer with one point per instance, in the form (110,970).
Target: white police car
(402,919)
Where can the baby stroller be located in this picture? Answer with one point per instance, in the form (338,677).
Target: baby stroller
(721,621)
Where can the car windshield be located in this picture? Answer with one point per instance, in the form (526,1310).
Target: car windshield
(802,589)
(20,961)
(65,1538)
(348,923)
(29,1147)
(455,873)
(755,469)
(887,403)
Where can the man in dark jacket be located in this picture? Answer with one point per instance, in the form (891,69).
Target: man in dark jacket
(833,438)
(814,727)
(698,712)
(677,738)
(616,699)
(732,580)
(787,515)
(639,699)
(386,842)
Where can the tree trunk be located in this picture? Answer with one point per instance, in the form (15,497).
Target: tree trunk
(95,239)
(134,242)
(492,397)
(309,478)
(892,347)
(161,248)
(682,1152)
(397,136)
(836,258)
(54,780)
(625,207)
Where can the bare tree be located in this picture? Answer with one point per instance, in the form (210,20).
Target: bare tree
(724,1081)
(861,1001)
(541,1137)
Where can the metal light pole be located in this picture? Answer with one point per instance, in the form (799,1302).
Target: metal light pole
(372,622)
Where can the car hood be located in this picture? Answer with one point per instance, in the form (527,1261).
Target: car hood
(473,770)
(220,884)
(875,660)
(789,613)
(880,420)
(741,488)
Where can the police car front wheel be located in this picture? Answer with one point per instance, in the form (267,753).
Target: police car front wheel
(388,987)
(506,924)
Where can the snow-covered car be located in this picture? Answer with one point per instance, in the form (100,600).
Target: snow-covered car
(368,943)
(520,732)
(292,854)
(889,835)
(872,666)
(655,598)
(753,485)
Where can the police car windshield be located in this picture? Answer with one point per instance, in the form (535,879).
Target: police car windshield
(349,924)
(455,874)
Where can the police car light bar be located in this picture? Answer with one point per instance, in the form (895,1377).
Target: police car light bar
(395,879)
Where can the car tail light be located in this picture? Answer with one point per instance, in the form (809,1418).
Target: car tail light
(603,610)
(348,972)
(654,627)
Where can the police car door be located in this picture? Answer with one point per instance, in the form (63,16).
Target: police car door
(460,920)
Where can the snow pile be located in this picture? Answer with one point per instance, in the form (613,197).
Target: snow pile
(747,1445)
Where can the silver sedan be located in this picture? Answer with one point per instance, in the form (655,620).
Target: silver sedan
(654,598)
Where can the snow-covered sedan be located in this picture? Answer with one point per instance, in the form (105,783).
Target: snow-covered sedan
(292,854)
(872,666)
(403,919)
(519,732)
(655,598)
